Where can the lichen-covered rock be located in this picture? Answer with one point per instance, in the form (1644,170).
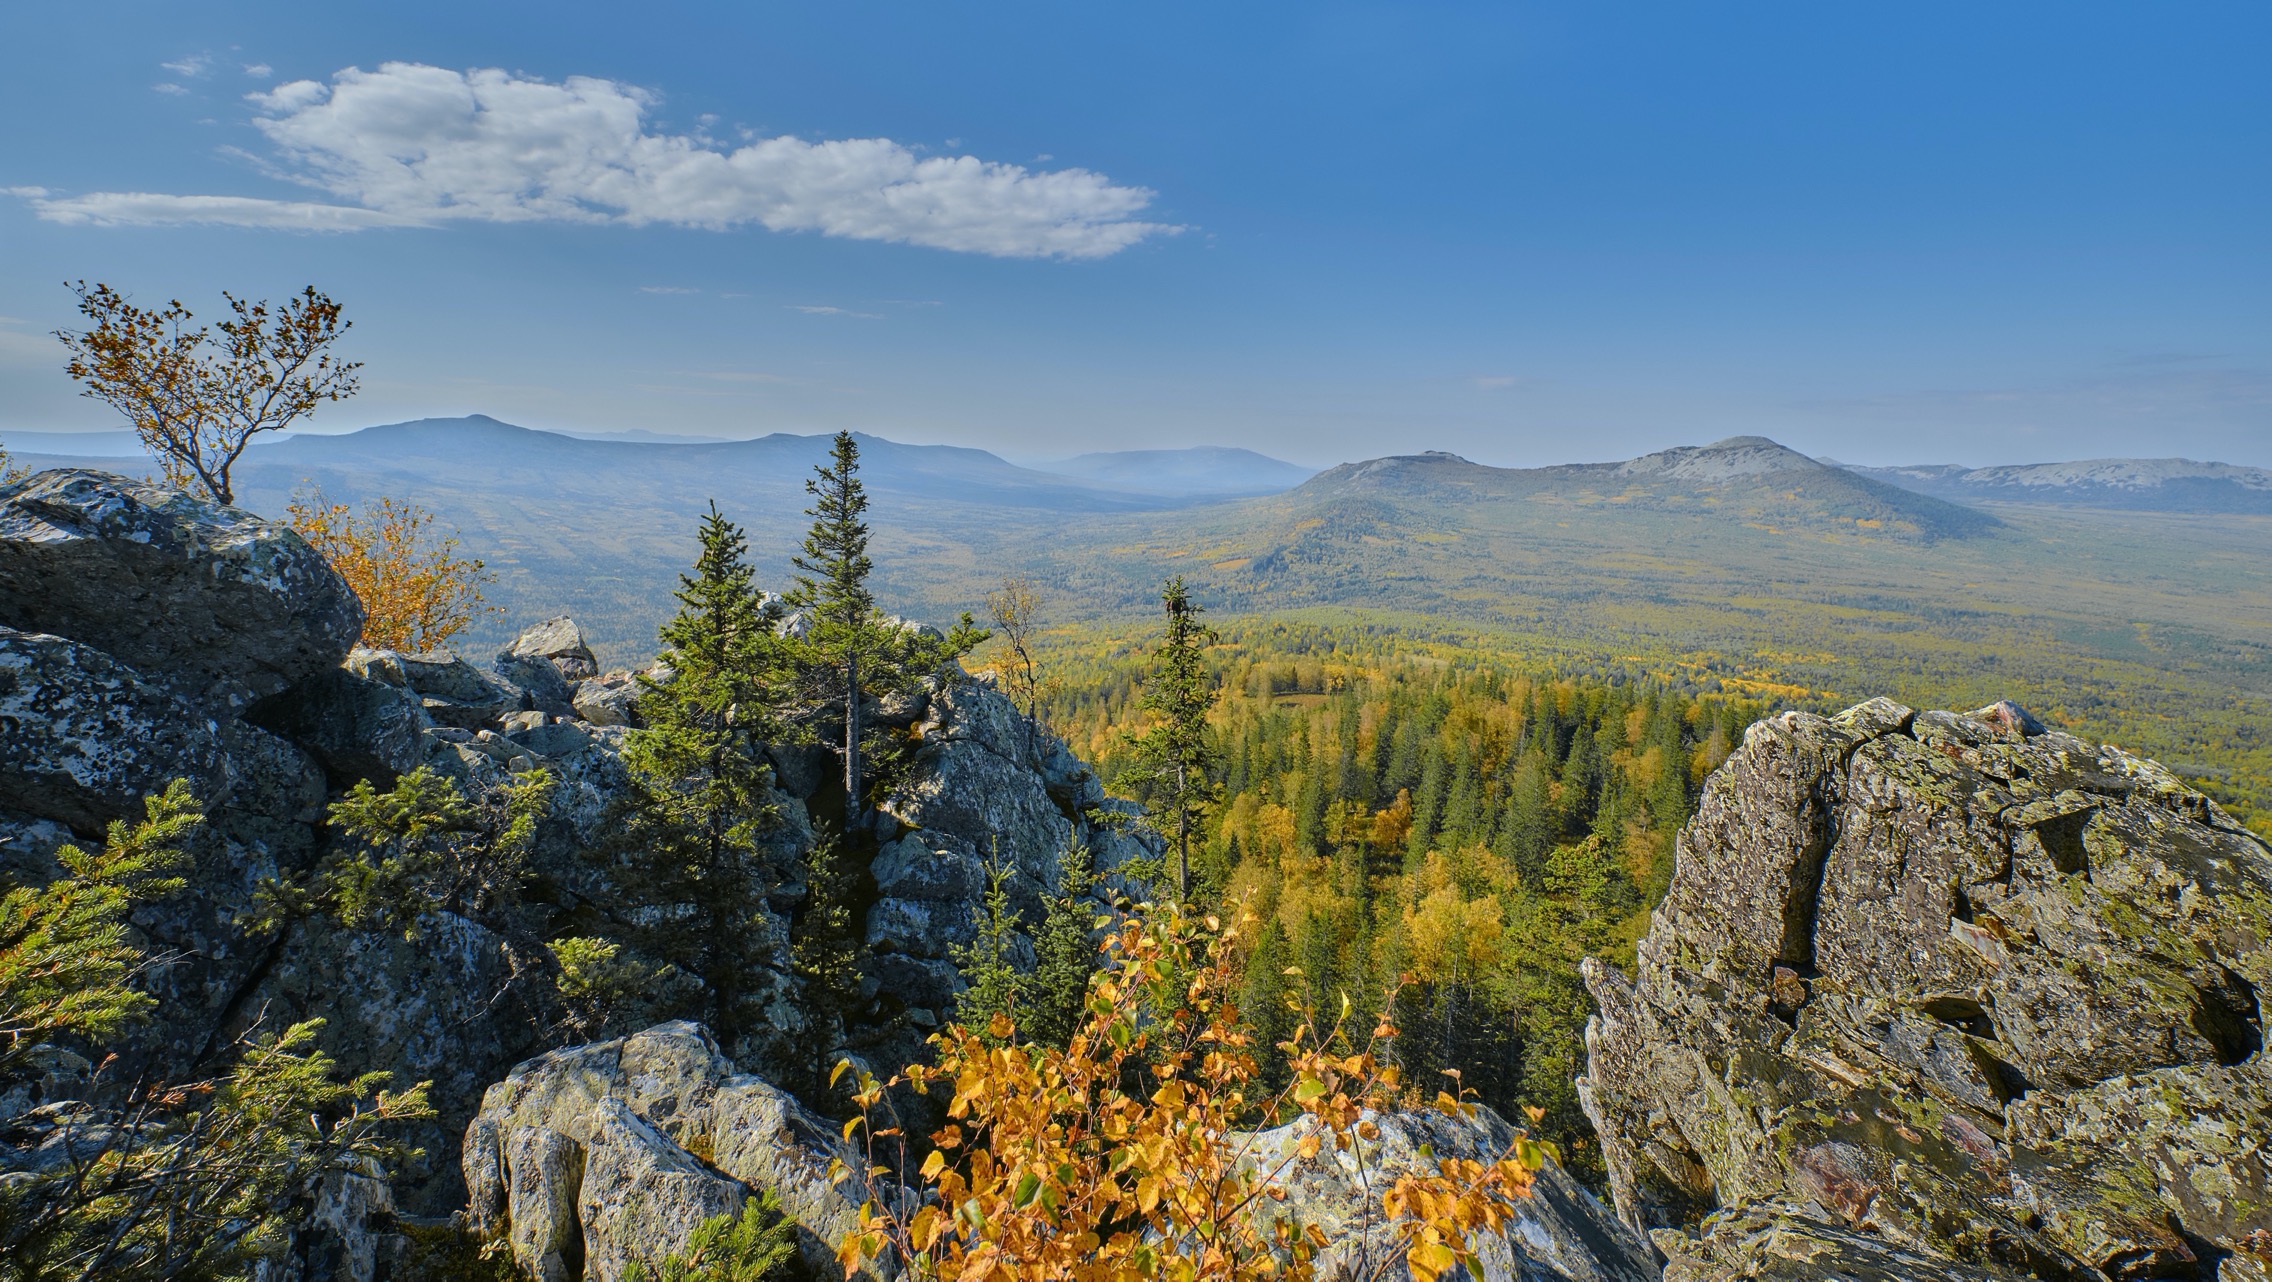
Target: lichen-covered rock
(358,728)
(610,700)
(1785,1244)
(84,738)
(229,606)
(1975,991)
(542,687)
(455,693)
(617,1151)
(1560,1233)
(559,641)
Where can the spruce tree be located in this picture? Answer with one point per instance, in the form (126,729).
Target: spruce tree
(701,796)
(993,985)
(1064,954)
(841,629)
(849,646)
(1175,759)
(824,951)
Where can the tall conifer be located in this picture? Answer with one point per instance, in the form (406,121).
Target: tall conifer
(700,796)
(1175,758)
(841,629)
(851,647)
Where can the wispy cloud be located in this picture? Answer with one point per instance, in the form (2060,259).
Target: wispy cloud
(668,289)
(168,87)
(191,67)
(823,310)
(259,70)
(144,208)
(415,144)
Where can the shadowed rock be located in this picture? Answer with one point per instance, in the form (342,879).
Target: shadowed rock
(228,606)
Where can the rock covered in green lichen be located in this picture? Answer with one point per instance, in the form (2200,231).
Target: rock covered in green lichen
(1968,988)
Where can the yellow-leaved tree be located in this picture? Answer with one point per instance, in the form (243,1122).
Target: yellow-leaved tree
(417,592)
(1129,1154)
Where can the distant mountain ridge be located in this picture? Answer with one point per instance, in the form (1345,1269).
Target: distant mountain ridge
(1748,478)
(2154,485)
(1096,481)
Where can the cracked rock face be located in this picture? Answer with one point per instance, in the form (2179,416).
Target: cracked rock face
(1951,988)
(594,1158)
(231,607)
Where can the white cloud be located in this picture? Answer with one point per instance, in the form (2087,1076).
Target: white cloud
(822,310)
(410,143)
(668,289)
(168,86)
(24,193)
(144,209)
(193,66)
(259,70)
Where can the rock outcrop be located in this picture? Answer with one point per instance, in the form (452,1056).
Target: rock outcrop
(590,1159)
(230,606)
(1945,996)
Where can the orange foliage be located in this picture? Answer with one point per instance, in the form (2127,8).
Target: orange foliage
(1120,1158)
(417,592)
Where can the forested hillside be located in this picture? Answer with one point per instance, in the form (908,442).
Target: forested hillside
(1399,808)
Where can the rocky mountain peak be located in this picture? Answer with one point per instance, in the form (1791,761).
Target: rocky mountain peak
(1736,458)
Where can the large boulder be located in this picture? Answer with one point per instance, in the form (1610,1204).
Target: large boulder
(557,641)
(610,700)
(84,738)
(227,606)
(616,1151)
(1560,1233)
(1975,991)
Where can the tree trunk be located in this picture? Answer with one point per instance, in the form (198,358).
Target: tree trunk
(852,808)
(1182,841)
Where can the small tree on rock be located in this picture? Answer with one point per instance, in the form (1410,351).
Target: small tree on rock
(850,650)
(181,1180)
(1015,608)
(197,399)
(701,797)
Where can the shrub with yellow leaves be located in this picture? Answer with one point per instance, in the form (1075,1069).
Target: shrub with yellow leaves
(417,592)
(1122,1157)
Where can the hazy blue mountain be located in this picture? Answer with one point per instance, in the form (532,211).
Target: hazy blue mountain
(1204,469)
(1745,478)
(119,444)
(2153,484)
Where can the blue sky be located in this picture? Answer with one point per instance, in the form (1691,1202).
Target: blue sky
(1526,233)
